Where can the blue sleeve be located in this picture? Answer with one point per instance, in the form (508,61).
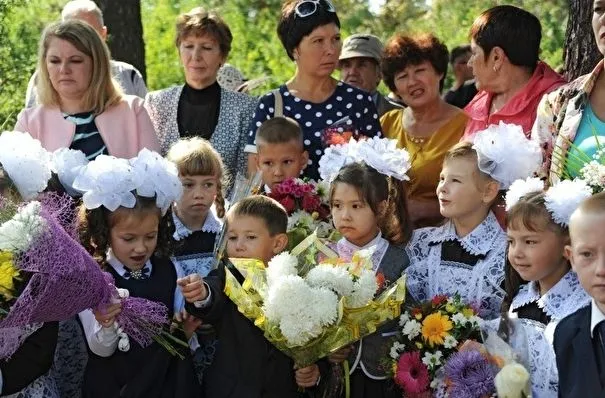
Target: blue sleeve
(369,122)
(264,111)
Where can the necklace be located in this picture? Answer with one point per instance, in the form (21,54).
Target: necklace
(417,140)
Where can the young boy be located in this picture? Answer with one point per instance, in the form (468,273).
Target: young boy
(246,364)
(580,338)
(280,151)
(466,254)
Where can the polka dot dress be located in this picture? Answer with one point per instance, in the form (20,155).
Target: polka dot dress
(347,105)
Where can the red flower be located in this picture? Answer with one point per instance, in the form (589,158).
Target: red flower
(412,375)
(297,191)
(380,279)
(324,212)
(438,300)
(416,311)
(310,203)
(289,204)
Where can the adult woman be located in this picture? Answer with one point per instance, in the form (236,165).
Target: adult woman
(201,107)
(574,115)
(505,44)
(413,67)
(310,33)
(81,107)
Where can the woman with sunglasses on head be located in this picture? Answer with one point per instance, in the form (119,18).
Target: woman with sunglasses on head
(310,33)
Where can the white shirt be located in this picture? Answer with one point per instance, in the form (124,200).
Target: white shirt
(596,317)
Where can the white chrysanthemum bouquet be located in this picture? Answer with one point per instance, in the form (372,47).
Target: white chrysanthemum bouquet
(312,310)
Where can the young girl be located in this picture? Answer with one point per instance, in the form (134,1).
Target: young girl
(130,238)
(369,209)
(197,214)
(197,223)
(466,254)
(541,288)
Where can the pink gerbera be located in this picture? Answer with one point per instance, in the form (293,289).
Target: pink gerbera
(412,375)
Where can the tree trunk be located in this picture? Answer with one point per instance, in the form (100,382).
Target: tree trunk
(581,51)
(125,31)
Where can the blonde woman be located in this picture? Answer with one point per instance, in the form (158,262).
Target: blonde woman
(81,106)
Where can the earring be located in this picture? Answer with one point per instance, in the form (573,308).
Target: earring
(495,69)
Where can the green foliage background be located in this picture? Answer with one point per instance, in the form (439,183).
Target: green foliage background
(256,50)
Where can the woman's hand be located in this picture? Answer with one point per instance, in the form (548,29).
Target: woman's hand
(189,322)
(340,355)
(307,377)
(107,318)
(193,288)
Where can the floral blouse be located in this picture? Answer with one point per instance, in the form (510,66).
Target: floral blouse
(558,117)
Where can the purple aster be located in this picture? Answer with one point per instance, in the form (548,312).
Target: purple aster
(469,375)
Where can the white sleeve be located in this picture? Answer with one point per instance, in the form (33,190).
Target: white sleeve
(1,382)
(101,341)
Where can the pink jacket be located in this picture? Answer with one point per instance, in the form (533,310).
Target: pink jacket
(125,127)
(521,109)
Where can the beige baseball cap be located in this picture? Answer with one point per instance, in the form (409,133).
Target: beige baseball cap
(361,45)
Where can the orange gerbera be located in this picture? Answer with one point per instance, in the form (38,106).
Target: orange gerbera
(435,328)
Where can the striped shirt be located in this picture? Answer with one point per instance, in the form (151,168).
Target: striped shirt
(87,138)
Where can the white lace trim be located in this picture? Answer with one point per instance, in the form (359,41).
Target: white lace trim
(564,298)
(478,242)
(346,249)
(478,284)
(211,224)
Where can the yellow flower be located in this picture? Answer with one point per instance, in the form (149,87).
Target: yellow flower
(468,312)
(7,273)
(450,308)
(419,345)
(435,329)
(418,316)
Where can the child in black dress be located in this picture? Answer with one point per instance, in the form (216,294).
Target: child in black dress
(130,238)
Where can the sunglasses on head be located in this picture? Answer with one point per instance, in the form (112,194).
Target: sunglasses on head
(307,8)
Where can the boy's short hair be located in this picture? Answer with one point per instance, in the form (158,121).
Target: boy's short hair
(279,130)
(269,210)
(594,205)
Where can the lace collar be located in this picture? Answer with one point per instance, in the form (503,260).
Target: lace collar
(346,249)
(211,224)
(113,261)
(564,298)
(478,242)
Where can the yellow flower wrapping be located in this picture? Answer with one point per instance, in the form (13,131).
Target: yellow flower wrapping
(352,323)
(7,274)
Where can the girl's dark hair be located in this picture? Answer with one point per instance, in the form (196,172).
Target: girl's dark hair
(94,227)
(7,186)
(374,188)
(529,212)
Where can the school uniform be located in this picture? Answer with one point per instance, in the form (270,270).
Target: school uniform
(368,377)
(472,266)
(539,315)
(580,351)
(194,253)
(246,364)
(139,372)
(27,372)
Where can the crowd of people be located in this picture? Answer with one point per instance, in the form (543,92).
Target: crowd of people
(446,226)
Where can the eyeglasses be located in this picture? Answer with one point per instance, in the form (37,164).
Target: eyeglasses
(307,8)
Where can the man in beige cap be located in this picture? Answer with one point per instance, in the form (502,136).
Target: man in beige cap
(359,65)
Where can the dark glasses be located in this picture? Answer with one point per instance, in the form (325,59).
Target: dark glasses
(307,8)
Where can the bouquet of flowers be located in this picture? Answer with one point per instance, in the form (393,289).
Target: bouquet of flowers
(309,312)
(339,132)
(307,207)
(46,275)
(489,369)
(430,334)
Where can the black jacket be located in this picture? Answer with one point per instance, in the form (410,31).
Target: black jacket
(577,357)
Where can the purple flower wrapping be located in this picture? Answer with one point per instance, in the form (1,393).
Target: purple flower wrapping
(66,280)
(469,375)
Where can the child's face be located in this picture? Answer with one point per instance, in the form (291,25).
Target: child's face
(458,191)
(134,237)
(352,215)
(249,237)
(278,162)
(536,255)
(199,193)
(587,252)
